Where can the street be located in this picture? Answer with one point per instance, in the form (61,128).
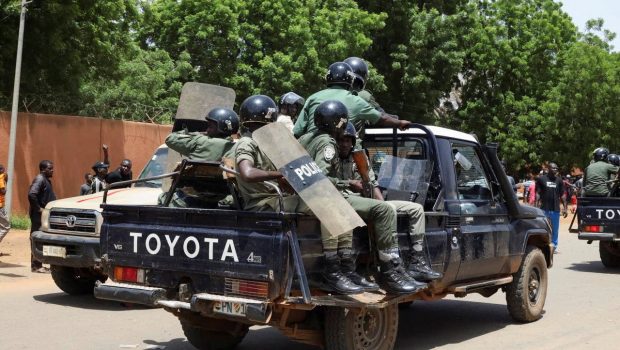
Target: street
(582,312)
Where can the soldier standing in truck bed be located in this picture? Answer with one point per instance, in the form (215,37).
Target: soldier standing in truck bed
(339,79)
(596,175)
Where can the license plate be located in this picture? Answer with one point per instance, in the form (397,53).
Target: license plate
(52,250)
(229,308)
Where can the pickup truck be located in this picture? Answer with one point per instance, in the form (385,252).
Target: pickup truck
(68,239)
(221,270)
(598,219)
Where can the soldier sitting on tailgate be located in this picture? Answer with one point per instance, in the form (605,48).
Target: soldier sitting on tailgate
(419,268)
(331,119)
(255,169)
(211,145)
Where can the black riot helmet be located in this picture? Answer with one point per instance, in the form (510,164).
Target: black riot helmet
(359,66)
(258,109)
(600,154)
(331,116)
(339,74)
(358,83)
(291,98)
(350,131)
(614,159)
(226,119)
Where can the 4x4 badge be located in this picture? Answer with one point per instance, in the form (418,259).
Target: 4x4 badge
(70,220)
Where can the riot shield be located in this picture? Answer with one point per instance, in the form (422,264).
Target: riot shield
(196,100)
(304,175)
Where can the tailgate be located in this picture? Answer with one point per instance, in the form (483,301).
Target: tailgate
(214,251)
(598,218)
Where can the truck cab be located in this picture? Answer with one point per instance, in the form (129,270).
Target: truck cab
(221,270)
(68,239)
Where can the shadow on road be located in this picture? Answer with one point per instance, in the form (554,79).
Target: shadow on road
(593,266)
(88,302)
(172,344)
(426,325)
(8,265)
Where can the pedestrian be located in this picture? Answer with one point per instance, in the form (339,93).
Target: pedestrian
(39,194)
(122,173)
(100,170)
(288,109)
(86,186)
(5,224)
(531,192)
(550,192)
(511,179)
(596,175)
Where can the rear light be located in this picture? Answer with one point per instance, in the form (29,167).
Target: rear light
(593,228)
(247,288)
(128,274)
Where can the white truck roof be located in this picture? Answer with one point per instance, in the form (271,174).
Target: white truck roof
(438,131)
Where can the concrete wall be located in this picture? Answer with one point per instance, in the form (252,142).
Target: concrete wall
(74,145)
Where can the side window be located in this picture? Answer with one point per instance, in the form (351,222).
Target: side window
(471,180)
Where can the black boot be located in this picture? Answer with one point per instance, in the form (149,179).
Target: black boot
(335,279)
(347,264)
(394,278)
(419,268)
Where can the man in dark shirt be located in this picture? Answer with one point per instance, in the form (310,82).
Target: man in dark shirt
(39,194)
(122,173)
(550,191)
(86,186)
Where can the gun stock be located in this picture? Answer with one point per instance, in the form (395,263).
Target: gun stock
(363,168)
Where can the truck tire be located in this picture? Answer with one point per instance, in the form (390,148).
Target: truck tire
(75,281)
(204,339)
(609,254)
(368,329)
(526,294)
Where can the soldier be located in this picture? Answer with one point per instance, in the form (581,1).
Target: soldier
(211,145)
(330,118)
(339,80)
(360,68)
(597,174)
(289,106)
(255,169)
(419,268)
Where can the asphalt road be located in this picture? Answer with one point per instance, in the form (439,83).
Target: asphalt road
(582,312)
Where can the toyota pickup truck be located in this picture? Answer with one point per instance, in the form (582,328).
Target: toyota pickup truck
(221,269)
(598,219)
(68,239)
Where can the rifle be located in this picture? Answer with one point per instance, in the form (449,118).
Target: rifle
(363,167)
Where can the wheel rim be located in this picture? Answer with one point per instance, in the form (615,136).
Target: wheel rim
(533,286)
(370,328)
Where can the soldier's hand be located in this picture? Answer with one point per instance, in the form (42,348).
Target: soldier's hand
(104,147)
(285,186)
(404,124)
(356,186)
(564,213)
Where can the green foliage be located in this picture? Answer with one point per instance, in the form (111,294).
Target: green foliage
(64,43)
(511,62)
(20,222)
(253,46)
(147,88)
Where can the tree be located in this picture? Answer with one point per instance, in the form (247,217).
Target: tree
(253,46)
(512,61)
(584,104)
(147,88)
(64,42)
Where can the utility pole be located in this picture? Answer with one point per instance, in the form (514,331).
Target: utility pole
(12,135)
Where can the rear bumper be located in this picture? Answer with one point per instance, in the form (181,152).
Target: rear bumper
(81,251)
(598,236)
(257,311)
